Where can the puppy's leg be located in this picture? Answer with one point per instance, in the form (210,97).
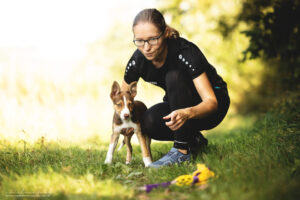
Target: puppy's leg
(145,150)
(129,148)
(148,143)
(121,145)
(112,146)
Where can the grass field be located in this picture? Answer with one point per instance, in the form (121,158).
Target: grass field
(260,161)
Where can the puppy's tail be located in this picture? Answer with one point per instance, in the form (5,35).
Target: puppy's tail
(121,145)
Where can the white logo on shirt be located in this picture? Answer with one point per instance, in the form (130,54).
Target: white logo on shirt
(153,82)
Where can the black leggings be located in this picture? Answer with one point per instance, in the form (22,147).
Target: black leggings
(181,93)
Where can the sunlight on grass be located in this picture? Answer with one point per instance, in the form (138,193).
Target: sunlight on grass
(53,183)
(36,105)
(57,111)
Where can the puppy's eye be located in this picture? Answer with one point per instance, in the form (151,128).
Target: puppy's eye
(119,104)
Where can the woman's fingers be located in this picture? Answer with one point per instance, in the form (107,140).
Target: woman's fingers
(171,116)
(176,125)
(176,120)
(167,117)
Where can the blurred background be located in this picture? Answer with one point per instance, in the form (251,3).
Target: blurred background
(58,59)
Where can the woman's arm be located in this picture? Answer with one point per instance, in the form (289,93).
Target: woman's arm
(208,105)
(209,102)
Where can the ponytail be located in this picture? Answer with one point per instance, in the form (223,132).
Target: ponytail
(172,33)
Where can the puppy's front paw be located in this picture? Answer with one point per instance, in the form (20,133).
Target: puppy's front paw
(147,161)
(108,161)
(127,162)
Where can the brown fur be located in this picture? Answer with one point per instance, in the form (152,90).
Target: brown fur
(123,126)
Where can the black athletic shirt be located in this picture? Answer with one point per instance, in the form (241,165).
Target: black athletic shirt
(183,55)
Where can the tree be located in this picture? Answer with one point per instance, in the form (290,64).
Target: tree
(274,33)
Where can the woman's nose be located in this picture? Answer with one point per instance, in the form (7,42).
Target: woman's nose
(147,46)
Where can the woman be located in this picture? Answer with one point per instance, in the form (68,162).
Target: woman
(196,96)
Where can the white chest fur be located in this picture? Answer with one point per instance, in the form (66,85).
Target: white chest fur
(125,124)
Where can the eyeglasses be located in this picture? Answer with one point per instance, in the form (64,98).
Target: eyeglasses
(151,41)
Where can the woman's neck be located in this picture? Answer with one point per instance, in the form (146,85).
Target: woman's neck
(160,61)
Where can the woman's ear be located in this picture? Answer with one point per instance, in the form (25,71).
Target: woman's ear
(167,32)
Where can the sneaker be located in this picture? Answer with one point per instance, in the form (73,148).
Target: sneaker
(172,157)
(198,144)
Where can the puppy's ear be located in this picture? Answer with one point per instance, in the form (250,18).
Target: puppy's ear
(132,88)
(115,89)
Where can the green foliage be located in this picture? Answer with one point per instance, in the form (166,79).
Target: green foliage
(273,33)
(260,161)
(274,36)
(274,28)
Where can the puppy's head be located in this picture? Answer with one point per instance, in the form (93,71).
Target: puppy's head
(123,100)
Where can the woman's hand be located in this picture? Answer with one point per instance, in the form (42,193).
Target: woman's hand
(176,119)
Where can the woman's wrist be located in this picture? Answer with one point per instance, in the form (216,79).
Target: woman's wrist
(201,110)
(189,112)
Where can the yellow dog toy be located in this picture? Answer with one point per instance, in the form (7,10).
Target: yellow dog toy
(199,177)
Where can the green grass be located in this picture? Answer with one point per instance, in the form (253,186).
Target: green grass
(261,161)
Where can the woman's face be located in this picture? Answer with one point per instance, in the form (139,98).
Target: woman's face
(146,31)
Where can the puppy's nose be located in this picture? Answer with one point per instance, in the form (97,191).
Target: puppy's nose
(126,116)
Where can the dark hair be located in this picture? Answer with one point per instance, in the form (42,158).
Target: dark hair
(155,17)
